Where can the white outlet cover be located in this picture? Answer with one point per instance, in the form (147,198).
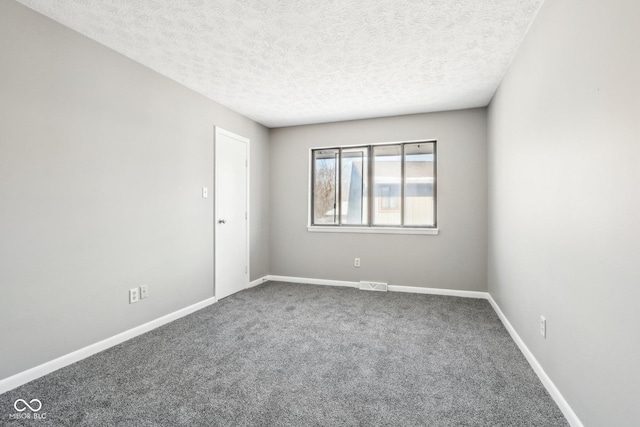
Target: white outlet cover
(133,295)
(144,291)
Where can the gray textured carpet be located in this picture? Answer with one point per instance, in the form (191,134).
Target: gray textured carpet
(302,355)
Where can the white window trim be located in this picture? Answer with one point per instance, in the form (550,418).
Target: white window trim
(431,231)
(372,230)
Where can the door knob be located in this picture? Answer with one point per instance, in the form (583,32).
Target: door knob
(222,221)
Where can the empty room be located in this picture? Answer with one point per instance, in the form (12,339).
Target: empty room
(319,213)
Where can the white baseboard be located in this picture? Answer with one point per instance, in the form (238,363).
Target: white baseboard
(571,416)
(257,282)
(312,281)
(436,291)
(392,288)
(24,377)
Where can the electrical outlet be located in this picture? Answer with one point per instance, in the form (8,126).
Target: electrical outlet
(356,263)
(543,326)
(144,291)
(205,194)
(133,295)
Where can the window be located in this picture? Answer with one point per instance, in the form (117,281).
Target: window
(374,187)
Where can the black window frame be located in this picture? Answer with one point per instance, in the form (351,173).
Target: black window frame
(371,187)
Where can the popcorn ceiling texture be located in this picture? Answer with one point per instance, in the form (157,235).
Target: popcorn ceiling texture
(295,62)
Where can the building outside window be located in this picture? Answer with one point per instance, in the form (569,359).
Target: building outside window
(381,185)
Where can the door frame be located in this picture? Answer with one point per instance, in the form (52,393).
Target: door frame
(220,131)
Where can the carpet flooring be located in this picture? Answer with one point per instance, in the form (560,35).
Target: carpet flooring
(284,354)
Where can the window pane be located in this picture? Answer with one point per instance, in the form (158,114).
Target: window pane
(387,172)
(324,187)
(354,186)
(418,184)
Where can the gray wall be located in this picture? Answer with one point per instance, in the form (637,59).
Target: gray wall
(101,165)
(455,259)
(564,202)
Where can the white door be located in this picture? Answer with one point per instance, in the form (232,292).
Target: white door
(231,213)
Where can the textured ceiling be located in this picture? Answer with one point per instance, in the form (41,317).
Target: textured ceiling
(295,62)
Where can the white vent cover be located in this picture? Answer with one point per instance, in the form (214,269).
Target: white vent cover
(373,286)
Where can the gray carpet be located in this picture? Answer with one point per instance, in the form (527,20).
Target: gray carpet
(301,355)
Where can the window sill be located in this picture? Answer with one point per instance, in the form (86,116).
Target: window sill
(373,230)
